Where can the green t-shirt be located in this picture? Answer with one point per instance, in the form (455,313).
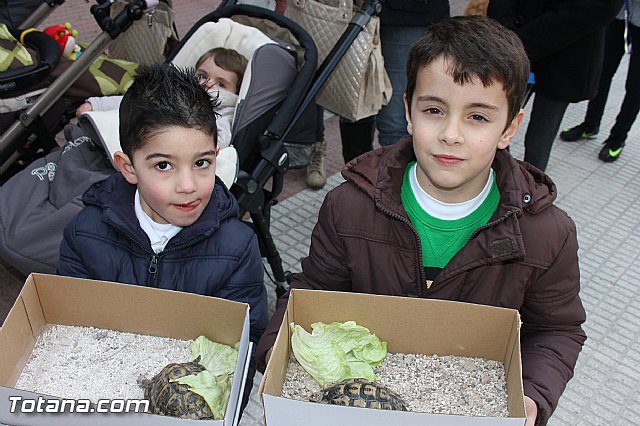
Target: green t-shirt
(442,239)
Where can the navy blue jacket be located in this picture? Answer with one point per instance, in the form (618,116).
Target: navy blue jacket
(216,256)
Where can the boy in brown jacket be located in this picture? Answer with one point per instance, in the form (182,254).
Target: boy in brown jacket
(449,214)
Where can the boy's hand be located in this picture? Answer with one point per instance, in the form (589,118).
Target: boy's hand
(85,107)
(531,409)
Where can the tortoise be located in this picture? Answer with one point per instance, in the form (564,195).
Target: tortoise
(360,393)
(173,399)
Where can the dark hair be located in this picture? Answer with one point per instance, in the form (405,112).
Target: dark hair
(228,60)
(164,95)
(474,47)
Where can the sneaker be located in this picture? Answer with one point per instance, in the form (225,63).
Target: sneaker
(316,178)
(581,131)
(611,150)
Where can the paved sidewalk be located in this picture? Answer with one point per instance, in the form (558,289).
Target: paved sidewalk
(604,201)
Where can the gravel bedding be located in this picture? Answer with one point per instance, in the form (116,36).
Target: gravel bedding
(91,363)
(428,384)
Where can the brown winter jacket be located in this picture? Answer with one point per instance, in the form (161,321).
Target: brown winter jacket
(525,258)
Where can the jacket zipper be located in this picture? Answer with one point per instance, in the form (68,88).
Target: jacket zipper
(155,257)
(427,283)
(153,271)
(152,281)
(423,284)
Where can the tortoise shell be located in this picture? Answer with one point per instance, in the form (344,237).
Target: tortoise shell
(360,393)
(173,399)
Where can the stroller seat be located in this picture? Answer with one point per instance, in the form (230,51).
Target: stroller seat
(259,92)
(94,140)
(268,77)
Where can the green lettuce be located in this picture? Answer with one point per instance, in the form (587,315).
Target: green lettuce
(214,383)
(215,357)
(214,389)
(337,351)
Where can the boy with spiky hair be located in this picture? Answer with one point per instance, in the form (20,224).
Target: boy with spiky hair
(166,220)
(449,214)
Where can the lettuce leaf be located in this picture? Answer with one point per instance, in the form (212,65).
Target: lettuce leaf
(337,351)
(214,383)
(215,357)
(214,389)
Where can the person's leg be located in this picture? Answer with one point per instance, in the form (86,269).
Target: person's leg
(356,137)
(316,177)
(613,51)
(546,117)
(396,41)
(630,105)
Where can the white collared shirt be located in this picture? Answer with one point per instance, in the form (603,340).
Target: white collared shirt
(159,233)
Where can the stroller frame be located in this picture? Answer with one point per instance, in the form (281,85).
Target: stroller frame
(28,126)
(40,14)
(249,188)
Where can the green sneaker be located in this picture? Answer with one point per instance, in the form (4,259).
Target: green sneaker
(580,132)
(611,150)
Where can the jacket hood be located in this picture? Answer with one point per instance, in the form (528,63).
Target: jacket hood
(115,196)
(379,174)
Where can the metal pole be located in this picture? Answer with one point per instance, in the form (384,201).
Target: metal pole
(40,14)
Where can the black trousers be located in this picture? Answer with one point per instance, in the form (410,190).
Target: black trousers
(613,53)
(546,117)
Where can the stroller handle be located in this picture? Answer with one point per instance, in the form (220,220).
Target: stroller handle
(40,14)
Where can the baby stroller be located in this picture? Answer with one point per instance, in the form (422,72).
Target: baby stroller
(275,105)
(32,107)
(261,128)
(36,203)
(260,136)
(35,207)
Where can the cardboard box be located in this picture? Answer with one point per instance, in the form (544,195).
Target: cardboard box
(50,299)
(418,326)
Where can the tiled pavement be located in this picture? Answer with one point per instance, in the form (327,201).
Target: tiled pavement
(603,199)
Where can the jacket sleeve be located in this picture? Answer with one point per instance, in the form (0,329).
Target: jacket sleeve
(569,22)
(246,285)
(323,269)
(71,263)
(551,334)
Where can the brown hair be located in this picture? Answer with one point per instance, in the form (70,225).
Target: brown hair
(474,47)
(228,60)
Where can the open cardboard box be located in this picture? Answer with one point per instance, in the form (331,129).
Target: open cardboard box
(408,325)
(50,299)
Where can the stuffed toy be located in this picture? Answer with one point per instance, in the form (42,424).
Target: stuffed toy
(65,36)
